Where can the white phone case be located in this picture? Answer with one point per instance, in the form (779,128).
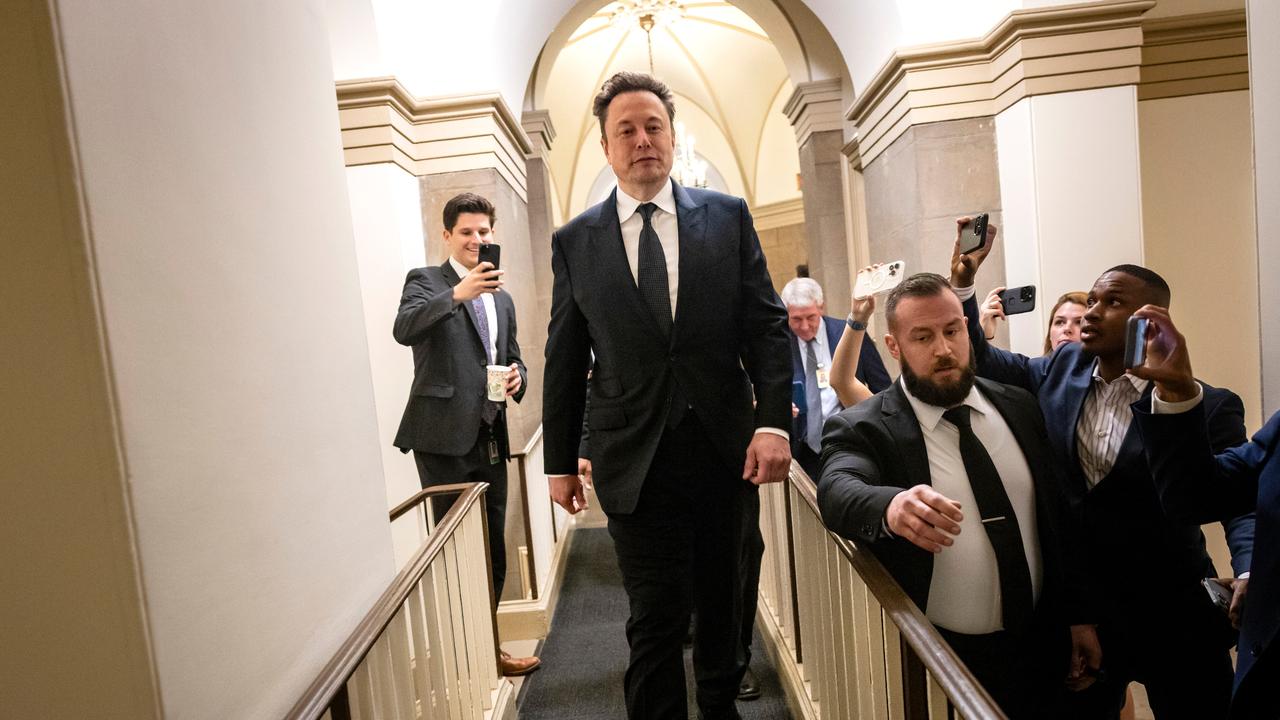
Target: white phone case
(878,280)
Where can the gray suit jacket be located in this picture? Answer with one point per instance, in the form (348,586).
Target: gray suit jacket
(443,412)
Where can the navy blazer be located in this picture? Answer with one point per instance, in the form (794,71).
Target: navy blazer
(444,409)
(1131,542)
(875,450)
(871,371)
(1196,487)
(727,346)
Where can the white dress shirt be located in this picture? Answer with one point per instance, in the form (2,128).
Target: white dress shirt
(1104,420)
(490,312)
(830,402)
(664,223)
(964,594)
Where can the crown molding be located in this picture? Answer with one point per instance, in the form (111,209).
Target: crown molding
(779,214)
(814,107)
(537,125)
(1194,55)
(383,123)
(1030,52)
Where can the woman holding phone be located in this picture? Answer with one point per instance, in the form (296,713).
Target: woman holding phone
(1064,319)
(844,364)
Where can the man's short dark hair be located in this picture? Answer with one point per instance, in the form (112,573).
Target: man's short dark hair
(468,203)
(624,82)
(919,285)
(1160,292)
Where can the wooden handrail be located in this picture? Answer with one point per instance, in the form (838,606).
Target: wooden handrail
(417,498)
(966,693)
(528,447)
(332,679)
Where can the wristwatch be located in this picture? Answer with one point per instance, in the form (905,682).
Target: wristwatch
(855,324)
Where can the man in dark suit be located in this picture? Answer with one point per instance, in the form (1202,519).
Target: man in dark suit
(1157,624)
(459,320)
(1197,487)
(669,287)
(949,482)
(814,337)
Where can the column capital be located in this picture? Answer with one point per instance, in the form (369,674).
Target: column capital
(537,125)
(814,107)
(383,123)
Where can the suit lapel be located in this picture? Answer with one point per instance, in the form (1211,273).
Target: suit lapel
(452,278)
(611,259)
(904,428)
(1075,391)
(691,219)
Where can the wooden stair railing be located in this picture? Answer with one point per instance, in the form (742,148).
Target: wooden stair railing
(428,647)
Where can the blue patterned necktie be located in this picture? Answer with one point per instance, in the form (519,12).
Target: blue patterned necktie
(812,399)
(651,275)
(489,410)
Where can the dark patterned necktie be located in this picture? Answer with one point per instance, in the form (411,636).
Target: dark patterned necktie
(999,520)
(489,410)
(812,399)
(651,275)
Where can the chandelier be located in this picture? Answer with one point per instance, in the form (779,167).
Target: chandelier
(688,169)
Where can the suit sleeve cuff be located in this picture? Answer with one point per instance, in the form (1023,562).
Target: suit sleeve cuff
(1160,407)
(774,431)
(964,293)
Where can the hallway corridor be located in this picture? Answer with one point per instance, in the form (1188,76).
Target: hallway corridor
(584,655)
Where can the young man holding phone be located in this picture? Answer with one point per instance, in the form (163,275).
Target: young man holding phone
(459,320)
(1158,626)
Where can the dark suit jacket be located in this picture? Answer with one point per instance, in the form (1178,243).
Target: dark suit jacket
(729,338)
(443,413)
(1131,542)
(1196,487)
(871,372)
(874,450)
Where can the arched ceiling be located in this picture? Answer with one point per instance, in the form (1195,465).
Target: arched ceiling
(730,83)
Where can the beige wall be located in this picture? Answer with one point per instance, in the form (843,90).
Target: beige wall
(220,241)
(784,249)
(1264,62)
(1198,230)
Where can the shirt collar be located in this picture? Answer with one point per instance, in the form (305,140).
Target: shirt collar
(458,268)
(819,337)
(1139,384)
(665,200)
(930,415)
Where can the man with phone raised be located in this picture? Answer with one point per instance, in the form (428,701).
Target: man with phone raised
(1157,624)
(462,327)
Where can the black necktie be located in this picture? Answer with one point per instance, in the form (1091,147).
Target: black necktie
(999,521)
(488,410)
(651,275)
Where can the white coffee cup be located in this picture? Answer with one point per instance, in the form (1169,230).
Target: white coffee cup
(496,387)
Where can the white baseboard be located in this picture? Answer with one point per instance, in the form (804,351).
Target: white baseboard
(531,619)
(802,707)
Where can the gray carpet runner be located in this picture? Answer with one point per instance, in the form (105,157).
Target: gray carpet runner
(585,654)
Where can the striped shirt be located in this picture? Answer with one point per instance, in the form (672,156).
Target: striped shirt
(1104,421)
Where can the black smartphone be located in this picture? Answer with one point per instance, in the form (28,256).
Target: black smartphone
(1018,300)
(490,253)
(976,237)
(1135,342)
(1218,595)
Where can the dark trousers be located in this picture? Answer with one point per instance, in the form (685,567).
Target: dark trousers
(1023,671)
(680,549)
(1181,657)
(752,555)
(810,461)
(434,469)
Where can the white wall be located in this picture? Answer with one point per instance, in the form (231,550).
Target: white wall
(1264,95)
(1071,196)
(386,211)
(212,172)
(1198,215)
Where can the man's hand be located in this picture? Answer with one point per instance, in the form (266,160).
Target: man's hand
(1167,365)
(1239,587)
(567,492)
(584,472)
(1086,657)
(991,309)
(965,267)
(482,279)
(768,459)
(514,381)
(924,517)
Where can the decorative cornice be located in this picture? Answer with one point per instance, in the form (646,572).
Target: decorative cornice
(1194,55)
(779,214)
(850,151)
(814,107)
(537,125)
(383,123)
(1031,52)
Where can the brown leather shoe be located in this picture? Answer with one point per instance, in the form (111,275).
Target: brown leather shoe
(514,666)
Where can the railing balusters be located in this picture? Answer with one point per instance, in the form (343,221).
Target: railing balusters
(423,687)
(401,670)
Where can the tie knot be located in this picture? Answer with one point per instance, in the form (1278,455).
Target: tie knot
(958,416)
(646,210)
